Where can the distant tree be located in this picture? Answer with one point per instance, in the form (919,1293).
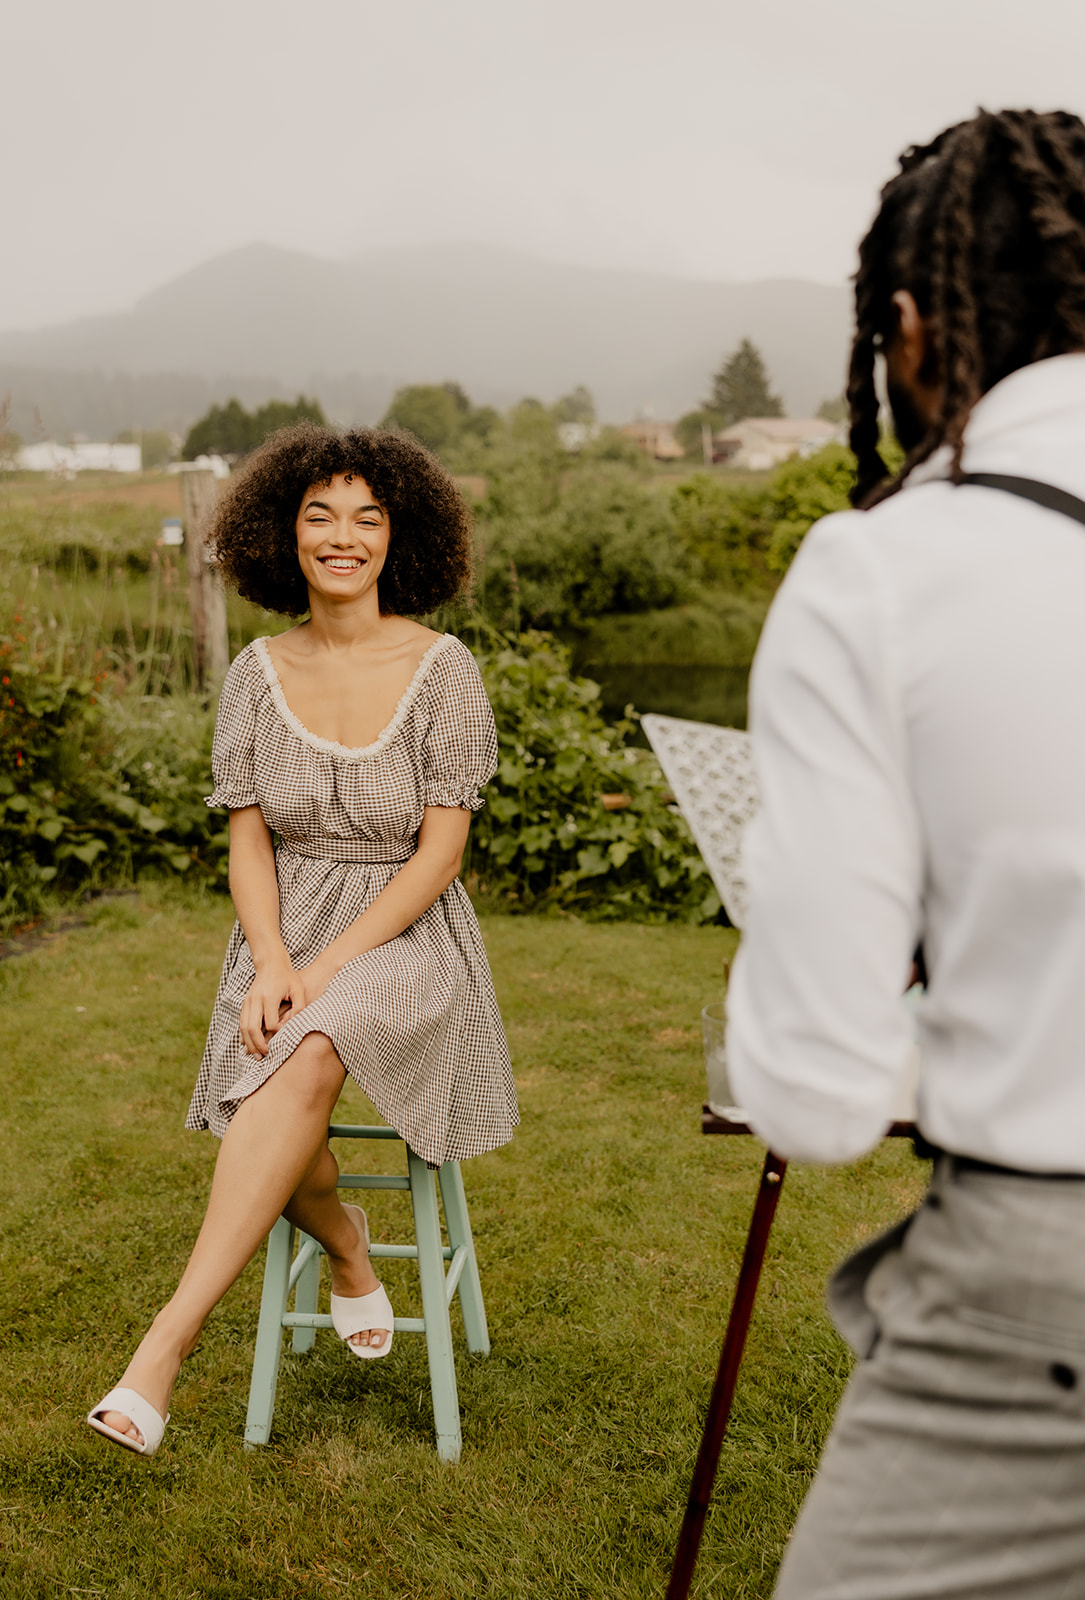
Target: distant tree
(433,412)
(281,413)
(483,423)
(157,447)
(10,441)
(462,403)
(578,406)
(741,388)
(224,431)
(232,431)
(834,410)
(688,430)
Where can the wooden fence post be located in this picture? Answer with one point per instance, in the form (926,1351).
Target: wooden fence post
(210,640)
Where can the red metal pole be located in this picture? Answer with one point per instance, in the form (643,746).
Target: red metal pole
(723,1390)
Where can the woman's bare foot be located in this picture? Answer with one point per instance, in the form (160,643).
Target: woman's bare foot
(152,1372)
(353,1276)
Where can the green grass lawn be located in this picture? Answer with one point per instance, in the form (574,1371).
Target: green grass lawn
(608,1236)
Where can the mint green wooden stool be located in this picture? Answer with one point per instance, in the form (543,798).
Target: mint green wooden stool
(285,1272)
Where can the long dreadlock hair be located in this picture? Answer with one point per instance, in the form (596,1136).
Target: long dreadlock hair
(985,226)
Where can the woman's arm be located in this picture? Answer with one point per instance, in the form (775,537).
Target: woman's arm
(255,891)
(418,883)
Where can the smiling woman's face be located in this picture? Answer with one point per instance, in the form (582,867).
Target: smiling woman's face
(342,539)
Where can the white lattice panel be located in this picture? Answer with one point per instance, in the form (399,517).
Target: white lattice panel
(711,772)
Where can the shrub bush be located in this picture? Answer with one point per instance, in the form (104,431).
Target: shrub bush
(545,837)
(606,546)
(100,784)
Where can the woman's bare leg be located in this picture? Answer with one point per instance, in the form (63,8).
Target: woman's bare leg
(275,1140)
(315,1207)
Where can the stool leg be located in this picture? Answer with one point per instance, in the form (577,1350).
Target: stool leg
(306,1292)
(460,1236)
(431,1272)
(269,1334)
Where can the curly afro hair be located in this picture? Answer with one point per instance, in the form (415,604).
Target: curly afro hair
(253,540)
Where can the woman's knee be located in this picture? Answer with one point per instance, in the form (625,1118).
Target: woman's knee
(314,1070)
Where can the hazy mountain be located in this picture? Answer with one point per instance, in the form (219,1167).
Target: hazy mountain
(262,320)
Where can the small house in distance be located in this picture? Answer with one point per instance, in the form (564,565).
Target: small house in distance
(656,439)
(757,443)
(82,456)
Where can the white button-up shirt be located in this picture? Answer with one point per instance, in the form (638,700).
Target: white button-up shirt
(918,720)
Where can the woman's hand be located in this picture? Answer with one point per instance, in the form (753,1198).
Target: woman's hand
(278,993)
(308,985)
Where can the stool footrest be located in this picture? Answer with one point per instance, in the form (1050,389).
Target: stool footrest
(360,1130)
(304,1256)
(403,1252)
(455,1271)
(364,1180)
(321,1319)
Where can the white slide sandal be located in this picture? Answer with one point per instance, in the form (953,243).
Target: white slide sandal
(137,1410)
(363,1313)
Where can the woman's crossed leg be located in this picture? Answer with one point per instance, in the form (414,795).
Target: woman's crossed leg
(274,1160)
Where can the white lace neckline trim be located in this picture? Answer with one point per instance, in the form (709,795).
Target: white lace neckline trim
(331,746)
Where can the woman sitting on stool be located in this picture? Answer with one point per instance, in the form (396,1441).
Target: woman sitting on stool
(360,738)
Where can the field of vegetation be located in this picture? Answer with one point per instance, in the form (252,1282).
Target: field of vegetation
(609,1233)
(593,564)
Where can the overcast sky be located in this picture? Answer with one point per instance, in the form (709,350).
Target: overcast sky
(709,138)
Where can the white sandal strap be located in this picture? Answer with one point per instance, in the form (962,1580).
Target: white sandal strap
(139,1411)
(364,1313)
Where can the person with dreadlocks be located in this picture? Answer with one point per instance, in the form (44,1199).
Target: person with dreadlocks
(918,718)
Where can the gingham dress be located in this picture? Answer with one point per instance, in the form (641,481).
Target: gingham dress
(415,1021)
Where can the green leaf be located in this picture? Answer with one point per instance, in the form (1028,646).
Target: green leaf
(591,861)
(179,863)
(88,852)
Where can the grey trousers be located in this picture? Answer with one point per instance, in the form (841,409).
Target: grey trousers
(956,1464)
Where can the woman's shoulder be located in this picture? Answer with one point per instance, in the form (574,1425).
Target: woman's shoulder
(247,673)
(450,663)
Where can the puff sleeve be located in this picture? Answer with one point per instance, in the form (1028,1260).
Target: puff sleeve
(235,737)
(459,752)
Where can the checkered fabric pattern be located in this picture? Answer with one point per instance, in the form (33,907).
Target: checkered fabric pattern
(415,1022)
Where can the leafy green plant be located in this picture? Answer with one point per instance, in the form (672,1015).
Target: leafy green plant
(101,784)
(605,545)
(546,837)
(98,783)
(745,536)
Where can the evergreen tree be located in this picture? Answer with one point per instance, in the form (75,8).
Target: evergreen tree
(578,406)
(741,388)
(232,431)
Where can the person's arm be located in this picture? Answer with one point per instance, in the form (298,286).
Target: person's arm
(255,891)
(279,992)
(819,1039)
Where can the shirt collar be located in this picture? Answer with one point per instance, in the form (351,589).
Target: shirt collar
(1030,425)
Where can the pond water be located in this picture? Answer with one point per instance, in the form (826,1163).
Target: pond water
(703,694)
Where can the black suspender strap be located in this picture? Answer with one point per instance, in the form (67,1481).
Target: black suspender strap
(1044,494)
